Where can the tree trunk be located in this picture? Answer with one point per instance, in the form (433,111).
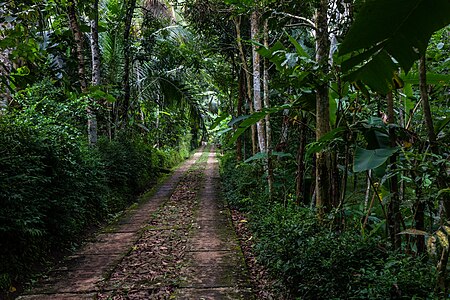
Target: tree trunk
(426,103)
(394,205)
(248,79)
(300,187)
(419,218)
(95,51)
(255,19)
(5,71)
(78,38)
(323,159)
(267,105)
(241,97)
(442,181)
(131,4)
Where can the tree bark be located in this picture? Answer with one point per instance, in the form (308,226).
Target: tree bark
(323,159)
(419,218)
(241,97)
(78,38)
(256,58)
(426,103)
(96,76)
(394,205)
(248,79)
(131,4)
(267,105)
(95,49)
(442,181)
(300,187)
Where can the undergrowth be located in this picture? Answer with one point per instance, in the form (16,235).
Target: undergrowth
(314,261)
(53,186)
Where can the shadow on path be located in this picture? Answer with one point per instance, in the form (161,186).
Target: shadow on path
(179,244)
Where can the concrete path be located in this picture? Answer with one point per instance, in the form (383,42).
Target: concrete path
(214,266)
(179,244)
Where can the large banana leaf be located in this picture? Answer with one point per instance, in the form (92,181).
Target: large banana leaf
(371,159)
(386,29)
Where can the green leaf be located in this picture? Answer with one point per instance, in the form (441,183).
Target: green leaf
(371,159)
(257,156)
(444,191)
(390,28)
(300,51)
(222,132)
(377,73)
(238,119)
(324,141)
(333,108)
(218,120)
(252,119)
(432,78)
(440,125)
(403,27)
(263,155)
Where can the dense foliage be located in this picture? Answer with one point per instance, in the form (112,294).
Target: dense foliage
(333,116)
(76,152)
(53,185)
(316,261)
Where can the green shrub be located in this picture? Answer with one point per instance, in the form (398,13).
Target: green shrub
(128,167)
(47,190)
(313,261)
(240,182)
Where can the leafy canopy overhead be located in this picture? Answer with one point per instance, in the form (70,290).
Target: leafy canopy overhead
(400,29)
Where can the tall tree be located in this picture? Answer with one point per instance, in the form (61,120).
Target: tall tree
(130,7)
(96,75)
(323,161)
(256,58)
(95,49)
(248,78)
(78,37)
(394,204)
(266,94)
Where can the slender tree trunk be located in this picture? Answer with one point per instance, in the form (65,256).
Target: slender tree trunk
(300,187)
(426,103)
(131,4)
(267,105)
(254,24)
(441,284)
(248,79)
(241,97)
(5,69)
(442,181)
(78,37)
(394,205)
(95,51)
(419,218)
(324,190)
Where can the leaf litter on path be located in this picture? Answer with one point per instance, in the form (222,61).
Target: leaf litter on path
(152,267)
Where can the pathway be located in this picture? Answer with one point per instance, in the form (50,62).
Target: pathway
(180,244)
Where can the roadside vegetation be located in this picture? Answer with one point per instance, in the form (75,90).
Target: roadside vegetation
(332,117)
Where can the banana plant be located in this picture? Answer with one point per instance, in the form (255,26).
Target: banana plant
(387,34)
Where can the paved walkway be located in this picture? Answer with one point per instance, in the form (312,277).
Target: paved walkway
(180,244)
(215,267)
